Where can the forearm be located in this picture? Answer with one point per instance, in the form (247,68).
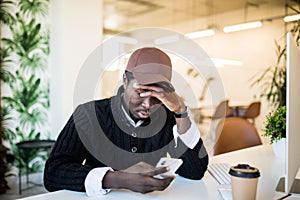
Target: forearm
(183,121)
(114,179)
(195,160)
(142,182)
(183,124)
(195,163)
(64,168)
(60,174)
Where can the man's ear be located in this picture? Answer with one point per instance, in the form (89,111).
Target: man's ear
(125,81)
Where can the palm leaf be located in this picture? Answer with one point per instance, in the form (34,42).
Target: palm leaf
(28,43)
(35,118)
(34,8)
(5,74)
(8,134)
(28,100)
(5,16)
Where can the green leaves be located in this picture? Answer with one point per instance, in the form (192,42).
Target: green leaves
(5,74)
(275,124)
(27,99)
(5,16)
(24,54)
(29,43)
(34,8)
(8,134)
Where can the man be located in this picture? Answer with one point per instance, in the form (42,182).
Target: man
(105,140)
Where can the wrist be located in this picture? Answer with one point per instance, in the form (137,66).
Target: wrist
(112,179)
(184,113)
(181,109)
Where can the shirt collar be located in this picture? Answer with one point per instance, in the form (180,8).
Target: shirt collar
(130,120)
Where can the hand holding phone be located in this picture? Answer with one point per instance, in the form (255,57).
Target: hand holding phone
(172,163)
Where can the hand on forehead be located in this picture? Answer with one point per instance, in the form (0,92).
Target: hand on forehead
(150,87)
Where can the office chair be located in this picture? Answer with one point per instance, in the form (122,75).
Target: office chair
(222,110)
(252,111)
(235,133)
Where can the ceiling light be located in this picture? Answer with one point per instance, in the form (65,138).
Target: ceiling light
(166,40)
(222,62)
(291,18)
(198,34)
(240,27)
(113,21)
(125,40)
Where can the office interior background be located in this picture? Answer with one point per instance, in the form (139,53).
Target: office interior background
(77,28)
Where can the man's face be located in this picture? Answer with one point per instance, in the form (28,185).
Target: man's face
(138,106)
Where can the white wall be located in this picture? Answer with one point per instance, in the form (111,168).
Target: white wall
(76,30)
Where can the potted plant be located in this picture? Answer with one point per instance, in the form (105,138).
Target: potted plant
(275,129)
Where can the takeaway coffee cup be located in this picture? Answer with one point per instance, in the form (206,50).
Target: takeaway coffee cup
(244,179)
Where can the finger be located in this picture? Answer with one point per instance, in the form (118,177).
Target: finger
(158,95)
(157,171)
(161,184)
(166,182)
(160,170)
(146,94)
(148,87)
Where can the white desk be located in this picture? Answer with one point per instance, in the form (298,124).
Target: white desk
(262,157)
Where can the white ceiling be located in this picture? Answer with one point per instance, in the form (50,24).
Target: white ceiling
(124,15)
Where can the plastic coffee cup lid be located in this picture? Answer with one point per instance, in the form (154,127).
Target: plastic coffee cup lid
(244,171)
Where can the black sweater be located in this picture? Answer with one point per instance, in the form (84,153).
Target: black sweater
(98,135)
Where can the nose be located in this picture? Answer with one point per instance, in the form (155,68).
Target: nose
(147,102)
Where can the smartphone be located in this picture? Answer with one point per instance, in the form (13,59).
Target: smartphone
(172,163)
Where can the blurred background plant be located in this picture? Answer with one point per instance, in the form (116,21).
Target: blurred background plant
(24,78)
(273,80)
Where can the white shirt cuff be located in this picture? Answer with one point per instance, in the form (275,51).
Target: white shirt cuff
(93,181)
(190,138)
